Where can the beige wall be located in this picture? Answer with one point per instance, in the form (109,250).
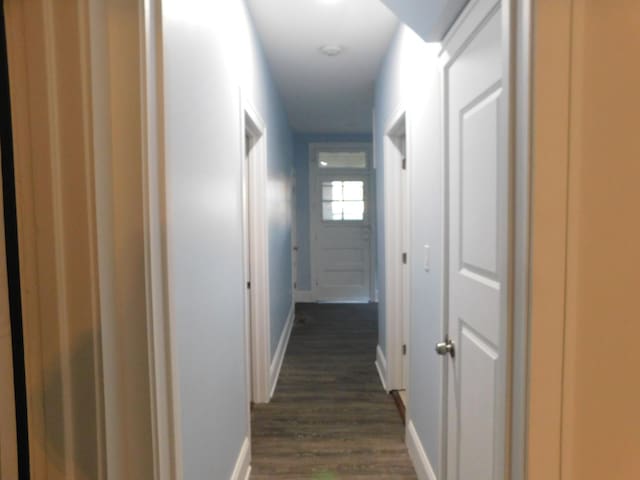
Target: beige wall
(48,50)
(601,422)
(585,386)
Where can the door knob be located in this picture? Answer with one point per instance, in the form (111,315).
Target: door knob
(446,348)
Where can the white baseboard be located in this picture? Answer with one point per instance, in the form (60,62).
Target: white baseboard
(303,296)
(419,457)
(381,366)
(242,470)
(278,358)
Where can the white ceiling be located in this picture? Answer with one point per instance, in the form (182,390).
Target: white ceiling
(325,94)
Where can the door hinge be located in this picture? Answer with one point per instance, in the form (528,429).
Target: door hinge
(295,285)
(404,258)
(248,285)
(404,349)
(404,163)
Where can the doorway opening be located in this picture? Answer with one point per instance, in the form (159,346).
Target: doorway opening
(397,246)
(342,212)
(255,247)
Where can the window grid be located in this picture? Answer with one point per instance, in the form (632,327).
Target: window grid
(343,201)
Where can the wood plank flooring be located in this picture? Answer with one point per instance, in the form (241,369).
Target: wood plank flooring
(330,418)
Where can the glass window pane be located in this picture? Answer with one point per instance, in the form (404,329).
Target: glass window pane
(331,211)
(353,190)
(343,200)
(327,191)
(342,160)
(332,191)
(353,210)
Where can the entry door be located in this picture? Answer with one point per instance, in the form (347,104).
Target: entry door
(479,249)
(341,228)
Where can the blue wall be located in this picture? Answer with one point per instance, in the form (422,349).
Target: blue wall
(410,80)
(431,19)
(281,211)
(301,158)
(211,54)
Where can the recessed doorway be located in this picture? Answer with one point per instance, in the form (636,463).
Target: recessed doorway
(342,209)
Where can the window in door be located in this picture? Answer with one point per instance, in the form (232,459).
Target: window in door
(343,201)
(351,160)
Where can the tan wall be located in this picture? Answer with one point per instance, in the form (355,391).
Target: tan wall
(602,357)
(548,241)
(588,425)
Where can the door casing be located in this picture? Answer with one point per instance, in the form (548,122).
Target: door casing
(256,238)
(397,214)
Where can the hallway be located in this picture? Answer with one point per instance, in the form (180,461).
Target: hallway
(330,418)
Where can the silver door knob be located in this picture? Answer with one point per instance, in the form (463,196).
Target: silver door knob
(446,348)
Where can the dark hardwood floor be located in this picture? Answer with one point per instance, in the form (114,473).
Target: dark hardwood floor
(330,418)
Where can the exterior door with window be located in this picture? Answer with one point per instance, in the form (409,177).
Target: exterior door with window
(341,209)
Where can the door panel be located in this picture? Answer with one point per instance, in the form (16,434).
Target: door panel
(478,199)
(477,372)
(342,242)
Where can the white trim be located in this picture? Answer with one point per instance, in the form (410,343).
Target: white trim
(381,366)
(303,296)
(397,277)
(259,329)
(242,470)
(458,22)
(281,350)
(418,455)
(521,35)
(164,394)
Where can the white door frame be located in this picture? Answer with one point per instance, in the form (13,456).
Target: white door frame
(519,54)
(314,149)
(294,234)
(517,57)
(397,242)
(257,323)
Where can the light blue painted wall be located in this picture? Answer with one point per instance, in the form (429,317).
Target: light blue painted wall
(431,19)
(410,80)
(301,155)
(281,211)
(210,53)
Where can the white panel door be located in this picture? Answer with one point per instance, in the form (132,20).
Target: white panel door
(478,195)
(342,236)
